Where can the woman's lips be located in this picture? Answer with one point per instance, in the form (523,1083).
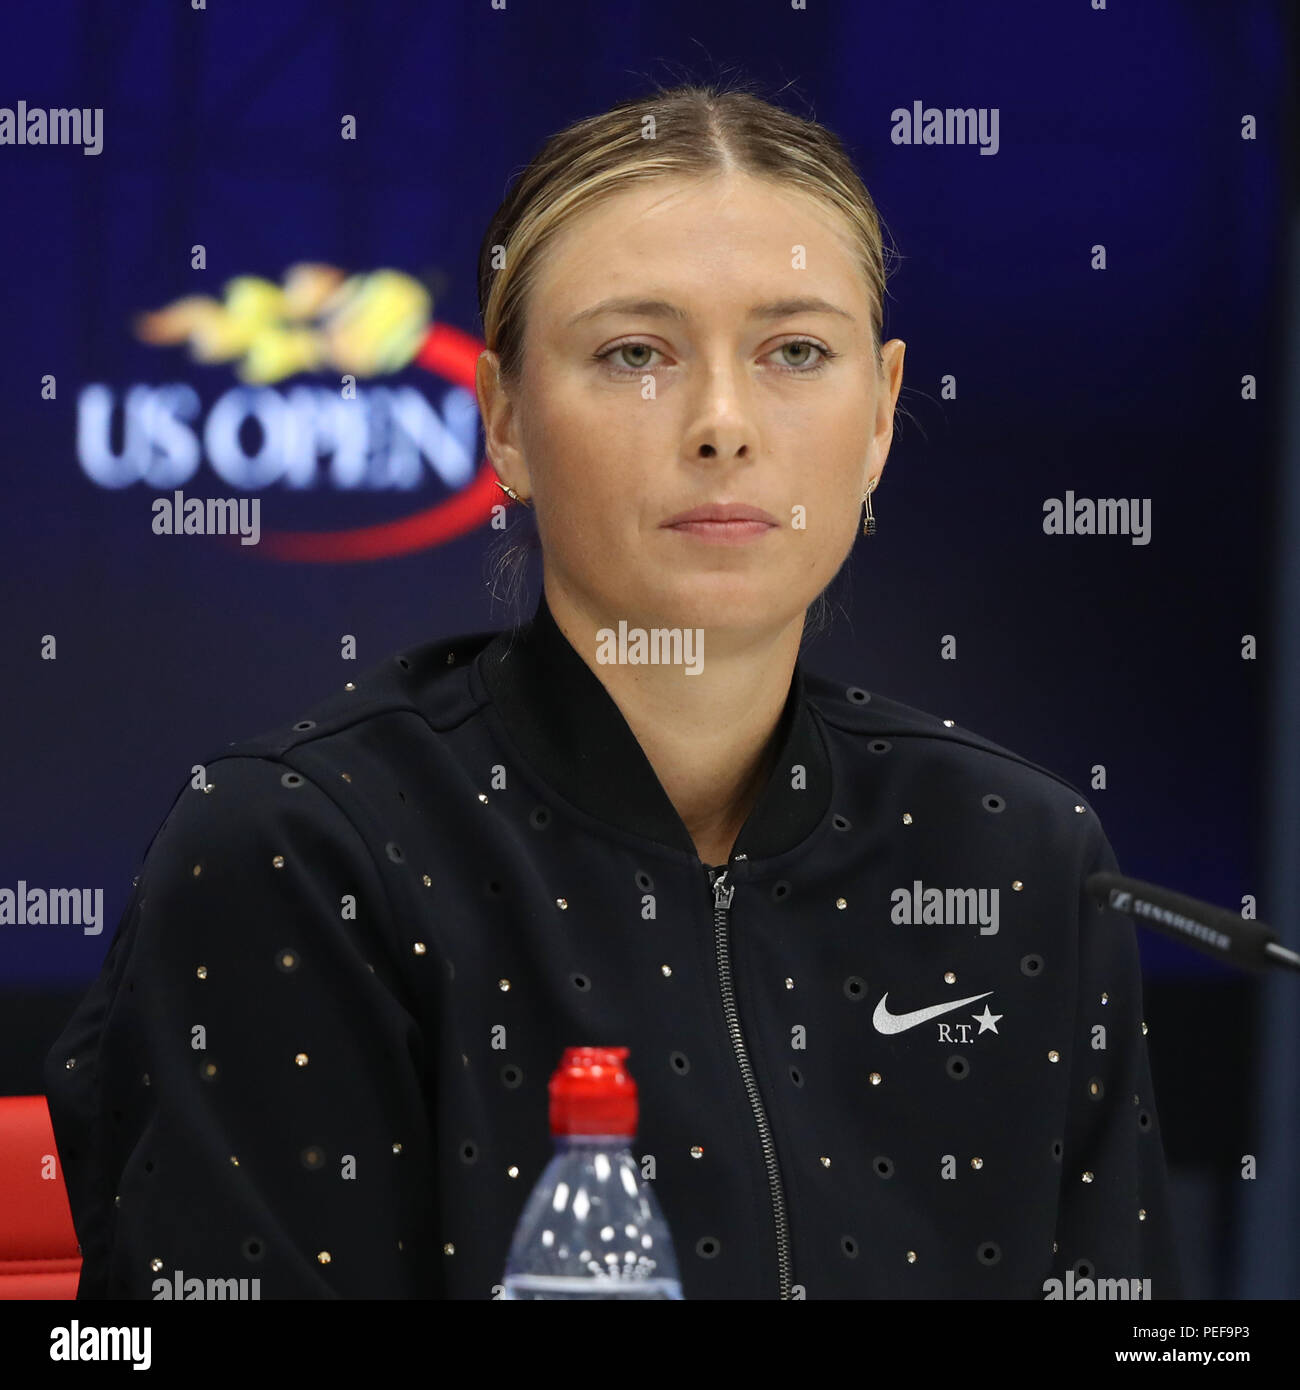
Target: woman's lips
(724,532)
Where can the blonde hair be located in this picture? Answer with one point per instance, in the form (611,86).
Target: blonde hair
(690,131)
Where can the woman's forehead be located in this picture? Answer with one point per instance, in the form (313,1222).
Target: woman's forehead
(673,229)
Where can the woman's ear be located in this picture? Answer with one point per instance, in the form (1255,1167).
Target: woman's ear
(500,424)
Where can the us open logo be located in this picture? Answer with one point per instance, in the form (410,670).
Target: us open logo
(308,424)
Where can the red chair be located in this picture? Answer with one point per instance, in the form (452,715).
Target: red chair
(39,1255)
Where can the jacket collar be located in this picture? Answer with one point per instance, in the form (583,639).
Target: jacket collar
(574,736)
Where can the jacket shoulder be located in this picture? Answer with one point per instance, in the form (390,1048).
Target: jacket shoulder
(429,680)
(872,716)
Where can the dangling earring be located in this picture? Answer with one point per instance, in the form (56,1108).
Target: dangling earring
(869,521)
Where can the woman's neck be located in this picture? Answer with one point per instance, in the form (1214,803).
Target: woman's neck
(710,737)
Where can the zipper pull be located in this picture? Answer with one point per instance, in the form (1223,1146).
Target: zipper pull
(722,891)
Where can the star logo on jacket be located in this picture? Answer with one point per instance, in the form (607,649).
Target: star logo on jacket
(885,1022)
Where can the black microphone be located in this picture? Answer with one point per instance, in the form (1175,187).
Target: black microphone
(1213,930)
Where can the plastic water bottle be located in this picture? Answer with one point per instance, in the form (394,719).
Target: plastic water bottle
(591,1228)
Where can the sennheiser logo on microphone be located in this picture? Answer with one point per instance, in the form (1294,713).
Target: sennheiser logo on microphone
(1142,908)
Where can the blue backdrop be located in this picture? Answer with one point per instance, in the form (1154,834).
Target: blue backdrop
(1095,305)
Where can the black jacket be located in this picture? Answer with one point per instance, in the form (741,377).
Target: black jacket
(894,1052)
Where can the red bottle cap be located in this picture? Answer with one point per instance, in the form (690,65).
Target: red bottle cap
(592,1092)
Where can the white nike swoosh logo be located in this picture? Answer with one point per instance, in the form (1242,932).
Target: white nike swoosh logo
(886,1022)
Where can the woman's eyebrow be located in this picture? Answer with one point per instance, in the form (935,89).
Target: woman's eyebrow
(661,308)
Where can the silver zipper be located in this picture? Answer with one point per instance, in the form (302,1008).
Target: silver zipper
(722,895)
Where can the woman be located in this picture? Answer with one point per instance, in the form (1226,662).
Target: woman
(885,1046)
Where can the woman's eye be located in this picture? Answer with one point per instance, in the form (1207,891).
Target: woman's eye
(615,357)
(630,347)
(802,344)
